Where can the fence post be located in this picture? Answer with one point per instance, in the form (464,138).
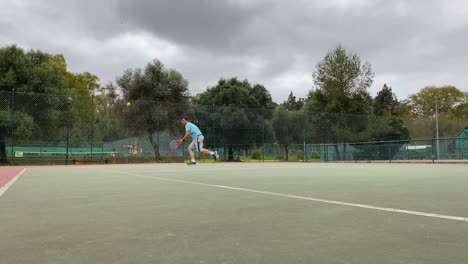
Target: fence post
(437,129)
(433,155)
(327,158)
(407,149)
(213,130)
(389,154)
(13,123)
(263,131)
(355,156)
(304,138)
(158,110)
(459,148)
(92,123)
(69,104)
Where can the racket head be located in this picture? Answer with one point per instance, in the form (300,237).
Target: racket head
(174,144)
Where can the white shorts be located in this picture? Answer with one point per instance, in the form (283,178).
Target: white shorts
(197,143)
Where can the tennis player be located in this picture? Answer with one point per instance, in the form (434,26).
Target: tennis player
(194,132)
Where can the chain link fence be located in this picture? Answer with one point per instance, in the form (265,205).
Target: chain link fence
(88,129)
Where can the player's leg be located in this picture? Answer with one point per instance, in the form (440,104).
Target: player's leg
(192,154)
(206,152)
(202,150)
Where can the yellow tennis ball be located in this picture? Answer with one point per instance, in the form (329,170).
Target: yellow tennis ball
(129,104)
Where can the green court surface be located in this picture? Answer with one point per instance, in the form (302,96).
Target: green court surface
(237,213)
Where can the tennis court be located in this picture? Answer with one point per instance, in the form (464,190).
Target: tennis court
(236,213)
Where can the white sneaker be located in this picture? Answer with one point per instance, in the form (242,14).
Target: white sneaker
(215,155)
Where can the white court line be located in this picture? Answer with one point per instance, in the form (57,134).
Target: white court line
(386,209)
(218,167)
(10,183)
(210,169)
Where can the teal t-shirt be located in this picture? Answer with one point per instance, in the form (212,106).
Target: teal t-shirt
(194,130)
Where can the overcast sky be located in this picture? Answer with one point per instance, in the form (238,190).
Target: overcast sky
(277,43)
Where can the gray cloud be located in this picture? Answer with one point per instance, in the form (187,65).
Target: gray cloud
(199,24)
(410,44)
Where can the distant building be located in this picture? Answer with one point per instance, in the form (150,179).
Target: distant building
(460,144)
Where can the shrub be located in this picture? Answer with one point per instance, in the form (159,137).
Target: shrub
(256,154)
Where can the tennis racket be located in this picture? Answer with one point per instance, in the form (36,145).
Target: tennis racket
(175,144)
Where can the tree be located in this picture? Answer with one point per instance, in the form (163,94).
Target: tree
(33,80)
(33,71)
(461,110)
(288,127)
(448,98)
(341,77)
(109,109)
(385,102)
(87,90)
(158,96)
(386,126)
(89,81)
(418,111)
(339,105)
(239,113)
(289,122)
(23,128)
(292,103)
(384,138)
